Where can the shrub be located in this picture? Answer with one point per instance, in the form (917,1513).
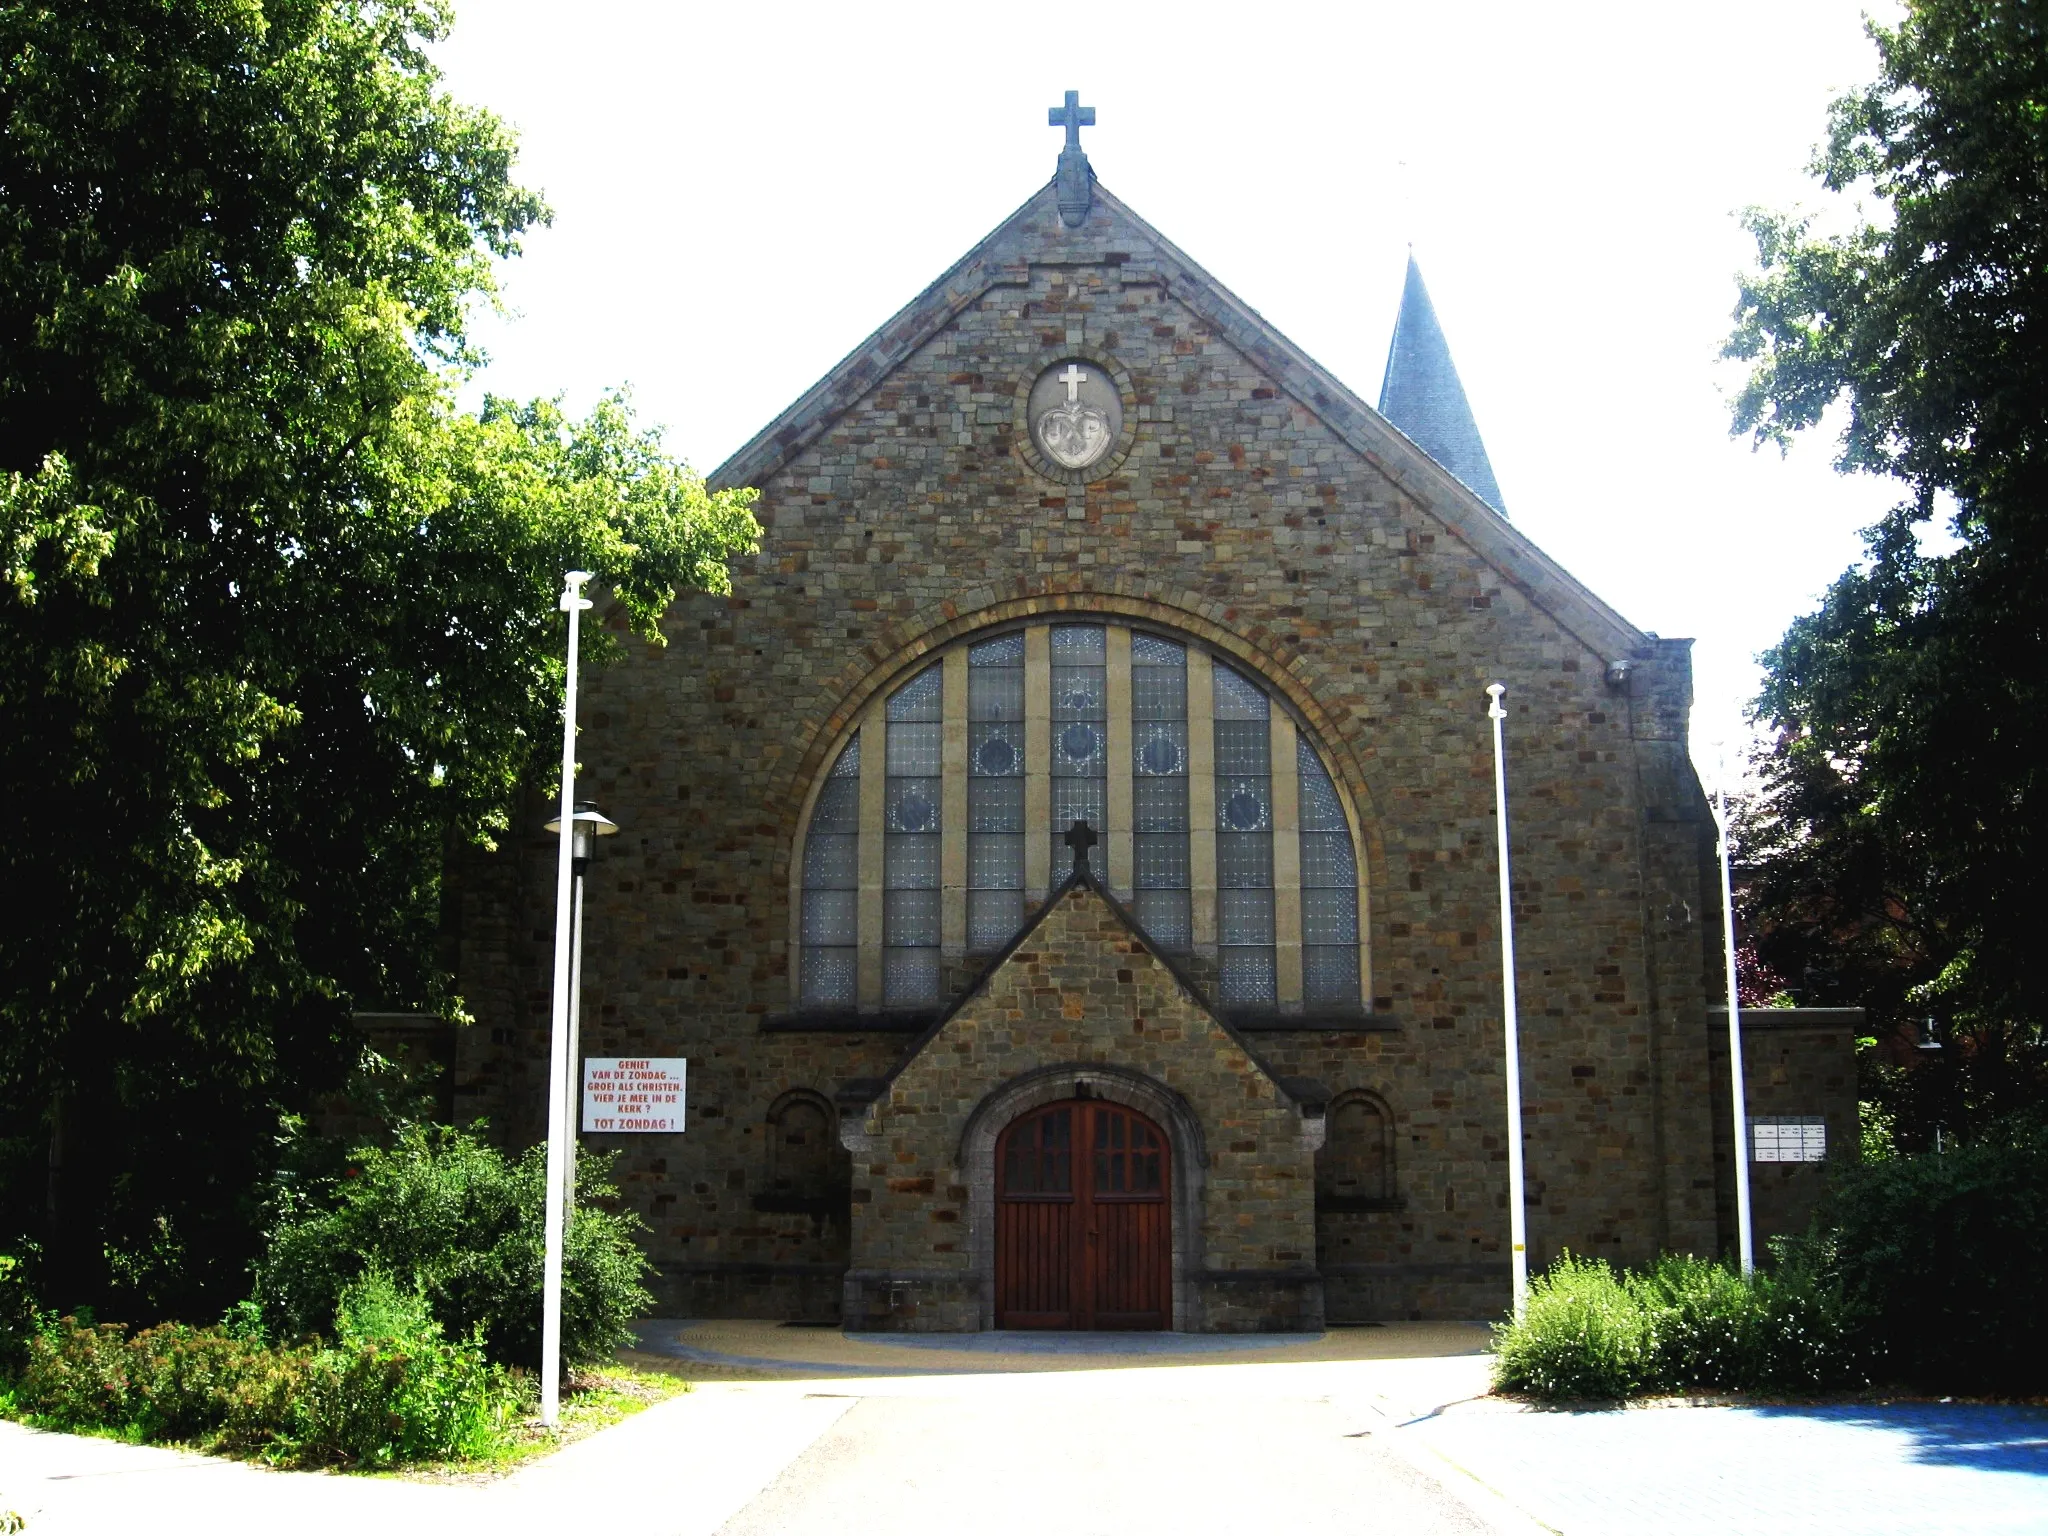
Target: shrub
(1946,1257)
(1583,1334)
(20,1318)
(1686,1324)
(392,1388)
(445,1214)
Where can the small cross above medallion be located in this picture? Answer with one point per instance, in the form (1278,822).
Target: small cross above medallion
(1074,378)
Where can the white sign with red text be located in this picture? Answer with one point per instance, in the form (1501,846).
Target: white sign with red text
(633,1093)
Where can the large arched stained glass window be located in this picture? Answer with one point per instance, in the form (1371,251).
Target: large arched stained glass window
(940,827)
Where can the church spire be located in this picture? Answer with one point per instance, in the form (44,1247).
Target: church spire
(1074,179)
(1422,396)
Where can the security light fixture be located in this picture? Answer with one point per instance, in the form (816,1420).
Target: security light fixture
(589,825)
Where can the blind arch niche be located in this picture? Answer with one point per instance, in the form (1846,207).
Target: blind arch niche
(1222,829)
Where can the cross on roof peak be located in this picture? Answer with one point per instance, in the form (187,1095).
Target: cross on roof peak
(1071,116)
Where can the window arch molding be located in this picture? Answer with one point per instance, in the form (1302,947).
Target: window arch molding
(1139,631)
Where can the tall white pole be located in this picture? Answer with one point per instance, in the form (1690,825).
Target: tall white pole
(572,1088)
(1518,1219)
(1745,1245)
(573,602)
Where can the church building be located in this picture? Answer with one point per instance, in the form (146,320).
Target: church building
(1066,859)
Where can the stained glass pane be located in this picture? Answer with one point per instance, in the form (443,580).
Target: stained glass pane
(910,918)
(1329,973)
(995,805)
(995,861)
(1151,651)
(1238,699)
(1329,917)
(915,746)
(831,862)
(910,976)
(1244,805)
(1159,747)
(1242,748)
(1162,859)
(1160,805)
(1247,977)
(1078,644)
(1245,917)
(993,918)
(1165,916)
(826,976)
(920,698)
(1244,859)
(1003,651)
(1321,811)
(1326,860)
(1159,693)
(1080,747)
(911,863)
(848,766)
(912,805)
(995,693)
(831,917)
(838,807)
(995,750)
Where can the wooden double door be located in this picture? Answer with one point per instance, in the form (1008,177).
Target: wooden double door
(1083,1219)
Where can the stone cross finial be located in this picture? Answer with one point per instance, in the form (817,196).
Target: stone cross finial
(1073,117)
(1074,181)
(1080,837)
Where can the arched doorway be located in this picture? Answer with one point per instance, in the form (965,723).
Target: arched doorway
(1083,1219)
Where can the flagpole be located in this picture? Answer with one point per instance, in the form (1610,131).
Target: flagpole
(573,602)
(1518,1220)
(1745,1243)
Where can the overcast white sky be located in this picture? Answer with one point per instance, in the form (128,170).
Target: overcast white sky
(743,192)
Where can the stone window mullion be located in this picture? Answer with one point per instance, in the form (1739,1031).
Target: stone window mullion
(1286,864)
(1038,863)
(1117,701)
(1202,801)
(953,824)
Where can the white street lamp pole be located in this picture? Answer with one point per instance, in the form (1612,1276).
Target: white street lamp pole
(1518,1219)
(1745,1244)
(573,602)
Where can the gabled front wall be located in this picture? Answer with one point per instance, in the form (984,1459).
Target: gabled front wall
(1240,517)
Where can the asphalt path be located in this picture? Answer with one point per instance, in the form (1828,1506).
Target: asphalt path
(1103,1452)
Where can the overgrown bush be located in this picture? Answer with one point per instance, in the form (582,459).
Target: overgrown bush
(20,1317)
(443,1213)
(391,1388)
(1945,1256)
(1686,1324)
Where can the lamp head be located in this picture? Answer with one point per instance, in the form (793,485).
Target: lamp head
(587,825)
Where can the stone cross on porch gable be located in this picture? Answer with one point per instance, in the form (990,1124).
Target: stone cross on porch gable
(1080,837)
(1073,117)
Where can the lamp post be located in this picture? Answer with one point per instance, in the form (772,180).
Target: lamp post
(572,602)
(1518,1218)
(587,825)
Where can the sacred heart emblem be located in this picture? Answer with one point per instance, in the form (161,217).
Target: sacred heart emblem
(1074,434)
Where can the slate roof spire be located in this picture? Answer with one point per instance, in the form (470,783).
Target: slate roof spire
(1422,396)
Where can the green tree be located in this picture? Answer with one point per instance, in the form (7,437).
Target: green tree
(1900,835)
(278,632)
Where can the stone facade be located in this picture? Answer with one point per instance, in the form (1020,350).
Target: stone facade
(1256,507)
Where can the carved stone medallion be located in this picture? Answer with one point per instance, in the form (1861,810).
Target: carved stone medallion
(1075,414)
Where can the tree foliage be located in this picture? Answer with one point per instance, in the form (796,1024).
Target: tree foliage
(1894,856)
(277,627)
